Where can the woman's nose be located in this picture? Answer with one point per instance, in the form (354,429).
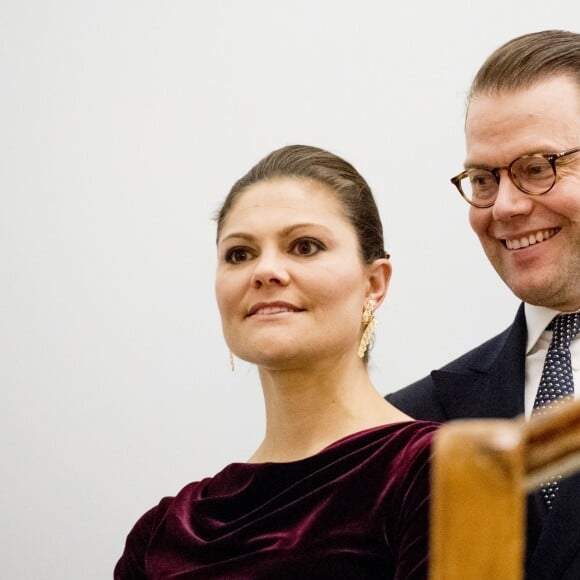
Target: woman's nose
(270,269)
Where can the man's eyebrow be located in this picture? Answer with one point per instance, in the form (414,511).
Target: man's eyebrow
(468,164)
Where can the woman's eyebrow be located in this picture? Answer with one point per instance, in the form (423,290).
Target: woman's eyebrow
(242,235)
(283,233)
(290,229)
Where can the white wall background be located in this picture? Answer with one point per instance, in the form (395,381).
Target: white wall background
(122,125)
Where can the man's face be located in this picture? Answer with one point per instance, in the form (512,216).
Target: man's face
(533,242)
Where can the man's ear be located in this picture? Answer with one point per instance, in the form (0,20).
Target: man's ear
(379,276)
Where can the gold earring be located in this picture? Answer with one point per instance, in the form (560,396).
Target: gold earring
(232,366)
(369,322)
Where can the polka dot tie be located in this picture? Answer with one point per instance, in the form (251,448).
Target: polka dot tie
(557,382)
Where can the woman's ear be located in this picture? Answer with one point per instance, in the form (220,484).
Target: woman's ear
(379,276)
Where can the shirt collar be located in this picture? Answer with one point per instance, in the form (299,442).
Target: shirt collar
(537,318)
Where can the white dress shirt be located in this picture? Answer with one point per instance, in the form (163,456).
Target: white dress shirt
(537,318)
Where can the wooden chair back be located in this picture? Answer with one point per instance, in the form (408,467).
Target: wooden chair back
(482,471)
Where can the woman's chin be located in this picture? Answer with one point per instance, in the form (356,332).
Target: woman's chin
(274,358)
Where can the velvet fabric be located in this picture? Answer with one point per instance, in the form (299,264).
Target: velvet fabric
(357,509)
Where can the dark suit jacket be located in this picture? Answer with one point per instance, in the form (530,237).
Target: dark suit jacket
(489,381)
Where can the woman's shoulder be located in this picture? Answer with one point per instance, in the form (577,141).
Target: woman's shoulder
(411,443)
(397,450)
(132,562)
(414,434)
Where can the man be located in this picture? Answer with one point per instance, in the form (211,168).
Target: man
(522,181)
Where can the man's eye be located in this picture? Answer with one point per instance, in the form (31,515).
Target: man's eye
(307,247)
(537,171)
(237,255)
(482,180)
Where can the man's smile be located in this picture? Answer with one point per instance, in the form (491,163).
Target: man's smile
(530,240)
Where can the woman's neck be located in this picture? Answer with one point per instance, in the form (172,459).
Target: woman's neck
(307,410)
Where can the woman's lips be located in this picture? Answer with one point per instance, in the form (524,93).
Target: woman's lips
(268,308)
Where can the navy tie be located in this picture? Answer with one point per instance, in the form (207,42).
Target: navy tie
(557,382)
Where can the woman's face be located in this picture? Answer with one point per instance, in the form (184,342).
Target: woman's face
(290,285)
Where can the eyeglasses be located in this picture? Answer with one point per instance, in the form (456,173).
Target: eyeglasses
(531,174)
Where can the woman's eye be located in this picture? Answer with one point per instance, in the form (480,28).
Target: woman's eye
(237,255)
(307,247)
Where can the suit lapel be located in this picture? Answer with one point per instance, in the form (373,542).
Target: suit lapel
(491,384)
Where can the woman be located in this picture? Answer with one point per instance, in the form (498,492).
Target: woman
(338,488)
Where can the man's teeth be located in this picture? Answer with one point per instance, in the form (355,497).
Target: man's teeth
(530,240)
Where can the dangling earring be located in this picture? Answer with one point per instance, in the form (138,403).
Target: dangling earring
(369,322)
(232,366)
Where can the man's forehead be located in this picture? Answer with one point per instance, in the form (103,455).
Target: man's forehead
(544,118)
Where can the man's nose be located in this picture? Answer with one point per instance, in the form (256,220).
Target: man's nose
(510,200)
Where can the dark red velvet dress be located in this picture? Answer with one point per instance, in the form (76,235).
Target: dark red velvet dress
(357,509)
